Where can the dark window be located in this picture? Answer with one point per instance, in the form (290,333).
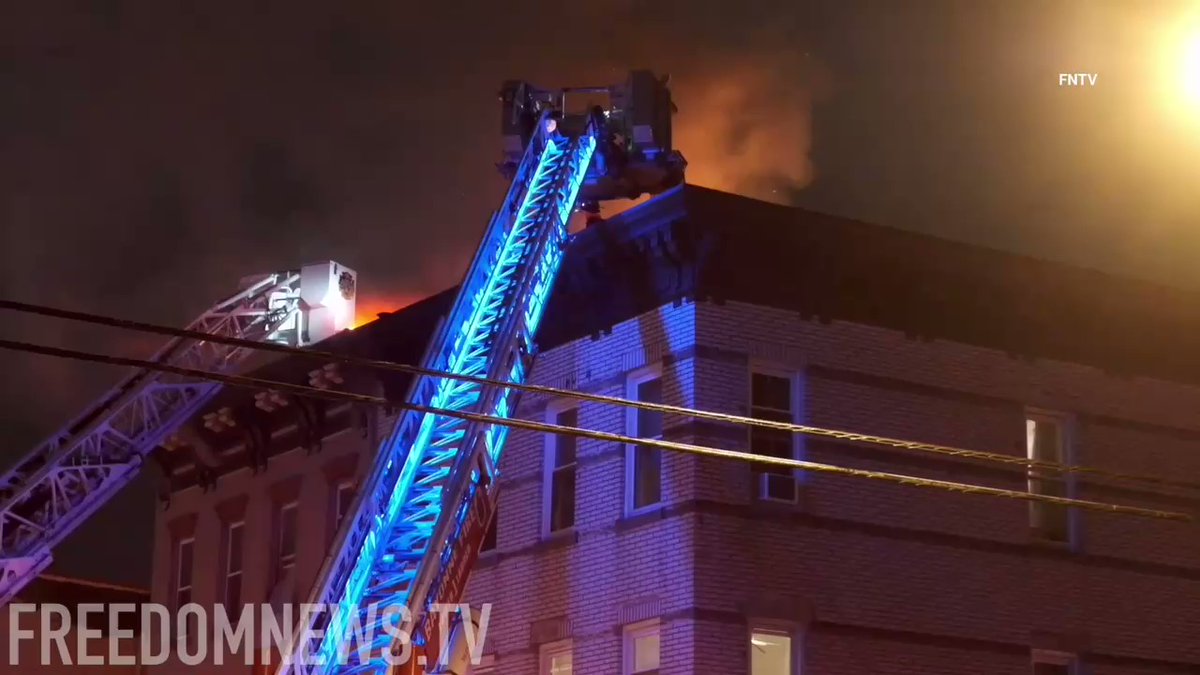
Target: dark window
(183,572)
(562,473)
(489,537)
(1045,442)
(771,399)
(286,543)
(233,565)
(342,503)
(647,461)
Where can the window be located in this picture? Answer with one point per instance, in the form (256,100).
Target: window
(183,571)
(285,543)
(555,659)
(770,652)
(1054,663)
(643,465)
(184,567)
(772,397)
(343,499)
(642,647)
(1046,441)
(559,480)
(233,565)
(489,537)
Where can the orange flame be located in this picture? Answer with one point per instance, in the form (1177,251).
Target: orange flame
(368,309)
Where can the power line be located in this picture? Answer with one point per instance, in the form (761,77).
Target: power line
(545,427)
(850,436)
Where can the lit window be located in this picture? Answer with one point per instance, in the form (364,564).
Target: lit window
(642,648)
(285,544)
(1053,663)
(183,571)
(772,398)
(560,473)
(555,659)
(643,465)
(233,565)
(770,653)
(1045,441)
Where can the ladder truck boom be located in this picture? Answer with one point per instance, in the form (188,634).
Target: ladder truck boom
(77,470)
(416,525)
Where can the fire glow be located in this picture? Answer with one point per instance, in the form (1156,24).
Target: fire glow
(368,309)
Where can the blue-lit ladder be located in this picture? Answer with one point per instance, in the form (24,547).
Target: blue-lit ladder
(398,548)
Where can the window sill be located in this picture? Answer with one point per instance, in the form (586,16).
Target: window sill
(774,505)
(558,539)
(487,559)
(1043,542)
(778,505)
(642,516)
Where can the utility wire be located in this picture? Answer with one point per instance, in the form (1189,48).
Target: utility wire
(841,435)
(302,390)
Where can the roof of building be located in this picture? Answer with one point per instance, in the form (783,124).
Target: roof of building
(53,588)
(694,243)
(839,269)
(71,593)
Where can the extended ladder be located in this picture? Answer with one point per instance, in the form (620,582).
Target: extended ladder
(420,517)
(76,471)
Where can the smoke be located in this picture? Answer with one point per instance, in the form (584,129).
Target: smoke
(745,90)
(744,129)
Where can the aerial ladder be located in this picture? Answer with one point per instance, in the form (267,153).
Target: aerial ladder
(419,519)
(417,524)
(77,470)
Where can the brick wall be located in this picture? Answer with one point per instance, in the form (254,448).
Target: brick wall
(871,577)
(899,579)
(308,478)
(609,571)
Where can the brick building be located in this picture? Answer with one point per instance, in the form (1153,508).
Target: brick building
(609,559)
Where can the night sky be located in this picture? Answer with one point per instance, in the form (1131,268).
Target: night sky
(156,151)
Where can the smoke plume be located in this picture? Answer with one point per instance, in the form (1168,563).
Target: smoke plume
(742,130)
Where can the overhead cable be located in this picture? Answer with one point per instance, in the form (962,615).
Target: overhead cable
(260,384)
(791,427)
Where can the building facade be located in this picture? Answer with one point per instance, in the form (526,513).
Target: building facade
(608,558)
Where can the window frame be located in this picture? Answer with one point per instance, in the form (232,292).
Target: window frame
(550,468)
(634,379)
(491,533)
(190,587)
(277,554)
(227,572)
(185,629)
(790,631)
(338,487)
(629,635)
(547,651)
(1067,457)
(796,392)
